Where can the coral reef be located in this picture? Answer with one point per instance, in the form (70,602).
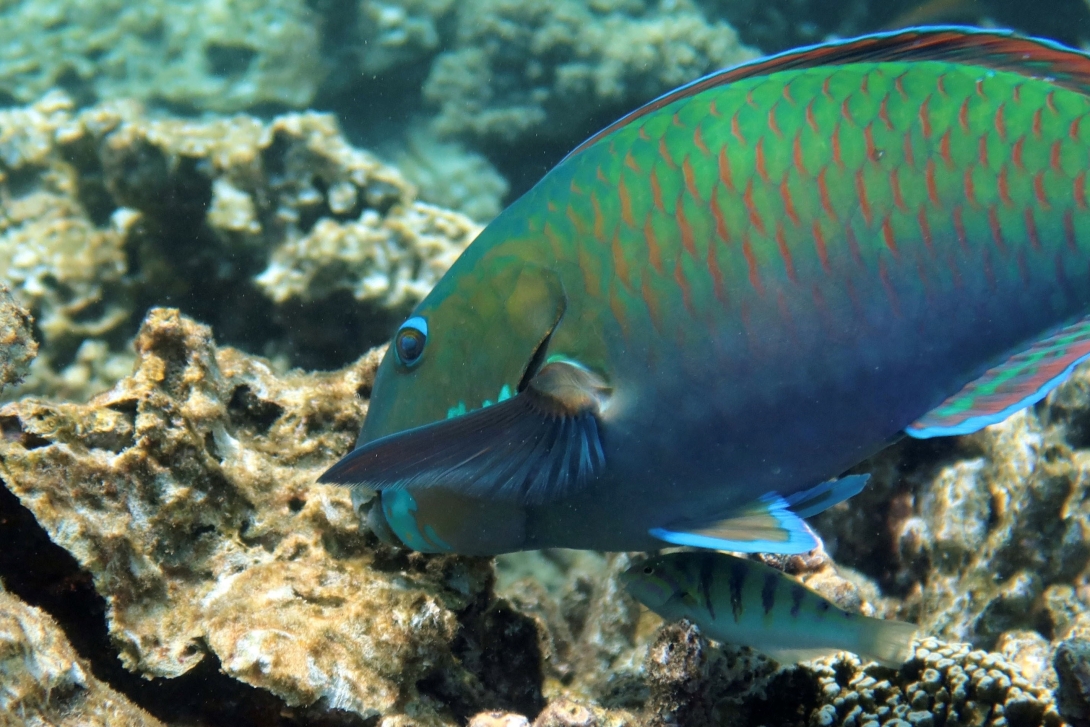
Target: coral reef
(393,33)
(550,69)
(17,345)
(694,683)
(449,175)
(184,495)
(253,226)
(944,683)
(44,682)
(210,55)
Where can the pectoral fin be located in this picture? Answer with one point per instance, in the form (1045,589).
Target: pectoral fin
(539,445)
(772,524)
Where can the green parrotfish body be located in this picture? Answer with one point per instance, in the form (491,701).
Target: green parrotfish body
(747,603)
(712,308)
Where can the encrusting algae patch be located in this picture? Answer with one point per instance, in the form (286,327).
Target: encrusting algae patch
(43,681)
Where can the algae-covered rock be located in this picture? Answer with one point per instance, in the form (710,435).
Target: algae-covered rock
(17,344)
(1072,664)
(44,682)
(219,55)
(187,491)
(544,68)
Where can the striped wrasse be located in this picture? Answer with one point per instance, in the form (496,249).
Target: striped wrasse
(748,603)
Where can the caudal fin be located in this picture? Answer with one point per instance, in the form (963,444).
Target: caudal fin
(887,642)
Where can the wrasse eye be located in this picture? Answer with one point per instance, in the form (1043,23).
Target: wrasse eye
(410,339)
(648,570)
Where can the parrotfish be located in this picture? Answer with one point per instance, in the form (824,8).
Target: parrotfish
(747,603)
(710,310)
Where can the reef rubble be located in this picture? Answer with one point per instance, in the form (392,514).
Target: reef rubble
(43,681)
(255,227)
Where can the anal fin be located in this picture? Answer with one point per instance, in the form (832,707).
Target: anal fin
(1023,379)
(822,497)
(772,524)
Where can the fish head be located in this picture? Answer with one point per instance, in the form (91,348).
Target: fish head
(474,340)
(659,582)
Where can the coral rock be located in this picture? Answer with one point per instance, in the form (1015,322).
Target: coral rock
(242,222)
(498,719)
(187,492)
(542,67)
(44,682)
(216,55)
(17,345)
(1072,663)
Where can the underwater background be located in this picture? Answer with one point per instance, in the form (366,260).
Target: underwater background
(212,213)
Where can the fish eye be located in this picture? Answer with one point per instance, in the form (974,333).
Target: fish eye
(648,570)
(410,339)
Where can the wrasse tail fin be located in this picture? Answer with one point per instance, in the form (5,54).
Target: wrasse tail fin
(1023,379)
(887,642)
(772,524)
(540,444)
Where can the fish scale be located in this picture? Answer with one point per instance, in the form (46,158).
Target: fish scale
(754,206)
(764,277)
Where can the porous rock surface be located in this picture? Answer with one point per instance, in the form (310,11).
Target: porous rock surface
(17,344)
(44,682)
(188,493)
(543,68)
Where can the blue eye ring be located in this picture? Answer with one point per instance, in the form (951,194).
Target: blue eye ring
(410,340)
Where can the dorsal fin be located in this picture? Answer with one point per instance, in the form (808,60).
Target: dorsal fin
(998,50)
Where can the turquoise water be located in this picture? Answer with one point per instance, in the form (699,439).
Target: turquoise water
(210,210)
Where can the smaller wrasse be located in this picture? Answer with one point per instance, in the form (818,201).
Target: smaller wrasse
(747,603)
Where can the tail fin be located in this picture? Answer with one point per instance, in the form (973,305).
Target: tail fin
(887,642)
